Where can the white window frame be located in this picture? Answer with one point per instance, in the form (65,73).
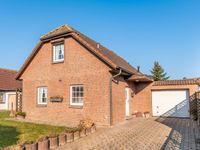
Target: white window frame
(4,98)
(54,53)
(38,95)
(71,95)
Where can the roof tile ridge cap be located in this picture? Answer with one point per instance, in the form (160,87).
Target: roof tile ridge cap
(96,51)
(65,25)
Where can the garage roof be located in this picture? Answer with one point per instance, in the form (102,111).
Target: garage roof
(177,82)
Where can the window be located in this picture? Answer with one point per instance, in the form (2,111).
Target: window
(76,95)
(58,53)
(2,99)
(42,95)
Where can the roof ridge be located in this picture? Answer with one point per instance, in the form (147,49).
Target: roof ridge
(65,25)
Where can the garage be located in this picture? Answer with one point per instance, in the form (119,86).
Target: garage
(170,103)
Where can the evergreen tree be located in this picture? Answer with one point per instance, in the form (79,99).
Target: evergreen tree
(158,72)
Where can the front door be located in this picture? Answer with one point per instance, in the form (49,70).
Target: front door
(127,95)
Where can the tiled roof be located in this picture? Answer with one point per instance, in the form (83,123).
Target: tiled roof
(177,82)
(8,81)
(113,57)
(140,78)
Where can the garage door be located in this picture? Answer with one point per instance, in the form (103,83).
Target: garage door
(170,103)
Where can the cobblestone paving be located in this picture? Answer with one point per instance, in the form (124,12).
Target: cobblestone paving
(141,134)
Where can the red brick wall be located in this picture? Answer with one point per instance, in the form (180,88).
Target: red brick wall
(142,100)
(119,99)
(79,67)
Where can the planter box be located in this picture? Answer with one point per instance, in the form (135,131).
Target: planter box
(76,135)
(56,99)
(32,146)
(53,142)
(62,139)
(43,144)
(82,133)
(93,129)
(70,137)
(88,131)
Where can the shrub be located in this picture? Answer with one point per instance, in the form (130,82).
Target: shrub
(86,123)
(23,114)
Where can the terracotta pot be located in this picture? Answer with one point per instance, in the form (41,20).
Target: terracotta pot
(32,146)
(62,139)
(82,133)
(70,137)
(53,142)
(93,129)
(76,135)
(43,144)
(88,131)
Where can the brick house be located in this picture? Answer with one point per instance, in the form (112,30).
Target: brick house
(69,77)
(8,87)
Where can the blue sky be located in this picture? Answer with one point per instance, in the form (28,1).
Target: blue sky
(141,31)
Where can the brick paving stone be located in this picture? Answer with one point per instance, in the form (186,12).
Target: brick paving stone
(142,134)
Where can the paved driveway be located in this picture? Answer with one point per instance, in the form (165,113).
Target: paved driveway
(142,134)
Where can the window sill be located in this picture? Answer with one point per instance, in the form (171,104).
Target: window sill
(57,62)
(76,106)
(41,105)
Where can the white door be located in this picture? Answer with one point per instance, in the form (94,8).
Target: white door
(127,102)
(170,103)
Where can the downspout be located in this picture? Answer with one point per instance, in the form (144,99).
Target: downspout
(111,79)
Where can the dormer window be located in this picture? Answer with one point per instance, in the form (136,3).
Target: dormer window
(58,52)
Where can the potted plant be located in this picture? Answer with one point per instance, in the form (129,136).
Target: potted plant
(53,141)
(43,143)
(56,99)
(21,115)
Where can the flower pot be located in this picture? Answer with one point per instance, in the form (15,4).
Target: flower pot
(82,133)
(93,129)
(53,142)
(32,146)
(43,144)
(88,131)
(76,135)
(70,137)
(62,139)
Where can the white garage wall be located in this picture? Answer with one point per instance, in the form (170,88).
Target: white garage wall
(173,103)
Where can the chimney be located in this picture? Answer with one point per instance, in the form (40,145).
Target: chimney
(138,68)
(98,45)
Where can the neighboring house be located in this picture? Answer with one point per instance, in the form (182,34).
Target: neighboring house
(8,87)
(69,77)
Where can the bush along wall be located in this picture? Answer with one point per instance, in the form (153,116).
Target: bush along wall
(54,141)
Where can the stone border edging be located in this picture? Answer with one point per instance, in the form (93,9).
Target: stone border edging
(54,142)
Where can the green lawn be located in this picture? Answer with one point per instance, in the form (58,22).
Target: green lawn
(13,132)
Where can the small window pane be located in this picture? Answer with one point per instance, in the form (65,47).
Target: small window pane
(58,52)
(42,95)
(2,98)
(77,95)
